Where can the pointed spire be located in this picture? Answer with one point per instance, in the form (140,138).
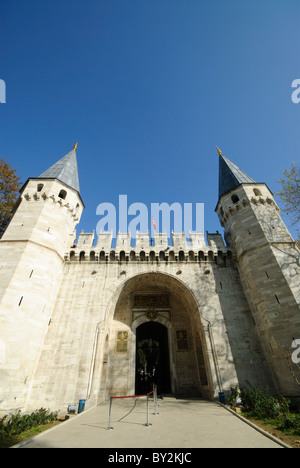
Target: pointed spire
(230,175)
(65,170)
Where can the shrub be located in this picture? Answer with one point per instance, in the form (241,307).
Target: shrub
(14,424)
(259,403)
(233,395)
(290,422)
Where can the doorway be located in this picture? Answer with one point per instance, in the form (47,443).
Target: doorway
(152,359)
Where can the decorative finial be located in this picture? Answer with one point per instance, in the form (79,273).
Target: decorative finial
(75,146)
(219,151)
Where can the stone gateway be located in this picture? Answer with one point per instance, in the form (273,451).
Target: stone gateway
(90,321)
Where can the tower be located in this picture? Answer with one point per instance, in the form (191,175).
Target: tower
(31,262)
(268,264)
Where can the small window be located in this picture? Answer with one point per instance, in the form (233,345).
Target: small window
(82,256)
(62,194)
(122,256)
(181,256)
(257,192)
(235,198)
(191,256)
(201,256)
(211,256)
(40,187)
(162,256)
(112,256)
(172,256)
(102,256)
(92,256)
(132,256)
(142,256)
(152,256)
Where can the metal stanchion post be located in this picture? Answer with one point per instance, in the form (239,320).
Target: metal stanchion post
(155,401)
(147,423)
(109,428)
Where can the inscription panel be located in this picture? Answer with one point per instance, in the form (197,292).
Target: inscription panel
(181,340)
(152,300)
(122,342)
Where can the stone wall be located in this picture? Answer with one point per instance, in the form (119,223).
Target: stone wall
(79,358)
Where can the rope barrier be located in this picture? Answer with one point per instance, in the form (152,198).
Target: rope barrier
(132,396)
(154,391)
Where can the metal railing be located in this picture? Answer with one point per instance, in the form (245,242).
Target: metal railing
(148,424)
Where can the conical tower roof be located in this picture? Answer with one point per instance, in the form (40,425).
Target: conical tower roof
(65,170)
(230,175)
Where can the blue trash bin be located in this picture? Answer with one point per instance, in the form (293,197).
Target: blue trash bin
(81,405)
(222,397)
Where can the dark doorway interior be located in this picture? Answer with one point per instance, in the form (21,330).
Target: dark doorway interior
(152,358)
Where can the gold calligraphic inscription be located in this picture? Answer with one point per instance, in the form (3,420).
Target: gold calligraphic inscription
(152,300)
(122,342)
(181,340)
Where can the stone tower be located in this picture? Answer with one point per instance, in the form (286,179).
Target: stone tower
(268,263)
(31,262)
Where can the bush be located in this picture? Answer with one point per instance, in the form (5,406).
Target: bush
(290,422)
(259,403)
(233,396)
(14,424)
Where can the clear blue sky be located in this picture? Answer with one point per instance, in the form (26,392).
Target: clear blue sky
(148,88)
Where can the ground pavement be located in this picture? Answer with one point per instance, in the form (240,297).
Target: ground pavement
(180,424)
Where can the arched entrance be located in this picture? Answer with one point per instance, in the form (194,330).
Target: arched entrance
(152,358)
(155,317)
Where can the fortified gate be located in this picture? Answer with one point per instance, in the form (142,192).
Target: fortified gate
(88,320)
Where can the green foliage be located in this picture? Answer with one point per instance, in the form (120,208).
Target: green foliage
(257,402)
(233,395)
(9,187)
(14,424)
(290,192)
(290,422)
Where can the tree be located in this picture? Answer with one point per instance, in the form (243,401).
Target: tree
(290,193)
(9,187)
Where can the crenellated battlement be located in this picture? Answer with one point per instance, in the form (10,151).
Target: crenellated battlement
(149,250)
